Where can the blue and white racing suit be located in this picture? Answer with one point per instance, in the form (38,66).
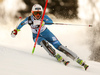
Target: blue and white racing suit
(45,33)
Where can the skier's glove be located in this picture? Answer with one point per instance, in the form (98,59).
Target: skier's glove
(14,32)
(43,23)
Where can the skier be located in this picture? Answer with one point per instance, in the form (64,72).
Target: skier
(46,36)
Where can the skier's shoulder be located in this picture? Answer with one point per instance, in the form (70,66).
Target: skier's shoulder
(28,17)
(46,16)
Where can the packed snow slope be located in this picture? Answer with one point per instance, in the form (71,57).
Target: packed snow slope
(16,57)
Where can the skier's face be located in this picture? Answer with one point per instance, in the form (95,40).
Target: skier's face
(37,14)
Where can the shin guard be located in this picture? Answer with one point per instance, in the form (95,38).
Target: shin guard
(48,48)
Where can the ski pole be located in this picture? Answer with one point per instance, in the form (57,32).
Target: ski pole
(12,33)
(19,19)
(40,26)
(69,24)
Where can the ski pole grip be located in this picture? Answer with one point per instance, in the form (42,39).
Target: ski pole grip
(20,17)
(90,25)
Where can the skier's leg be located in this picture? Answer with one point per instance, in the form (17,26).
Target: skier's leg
(51,51)
(73,56)
(68,52)
(43,42)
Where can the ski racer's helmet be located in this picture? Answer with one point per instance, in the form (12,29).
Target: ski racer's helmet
(37,10)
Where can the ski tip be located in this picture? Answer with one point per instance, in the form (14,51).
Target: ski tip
(33,50)
(86,68)
(67,62)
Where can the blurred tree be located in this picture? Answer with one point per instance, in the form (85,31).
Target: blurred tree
(59,8)
(1,1)
(91,15)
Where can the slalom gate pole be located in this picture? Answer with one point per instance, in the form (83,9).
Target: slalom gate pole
(69,24)
(40,27)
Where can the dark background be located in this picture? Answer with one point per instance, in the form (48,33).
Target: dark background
(59,8)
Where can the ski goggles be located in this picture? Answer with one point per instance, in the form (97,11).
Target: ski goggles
(37,12)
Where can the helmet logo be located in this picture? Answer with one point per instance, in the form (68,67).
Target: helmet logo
(37,8)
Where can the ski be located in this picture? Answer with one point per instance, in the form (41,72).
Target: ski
(80,61)
(85,66)
(65,62)
(60,59)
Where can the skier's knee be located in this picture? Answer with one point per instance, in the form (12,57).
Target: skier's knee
(56,44)
(40,39)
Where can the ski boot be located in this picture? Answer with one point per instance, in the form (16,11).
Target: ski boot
(79,61)
(60,59)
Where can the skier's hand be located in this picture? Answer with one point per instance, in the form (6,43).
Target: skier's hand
(43,23)
(14,32)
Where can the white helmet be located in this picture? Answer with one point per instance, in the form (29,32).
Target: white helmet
(37,7)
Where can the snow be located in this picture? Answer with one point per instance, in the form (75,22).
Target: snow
(16,57)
